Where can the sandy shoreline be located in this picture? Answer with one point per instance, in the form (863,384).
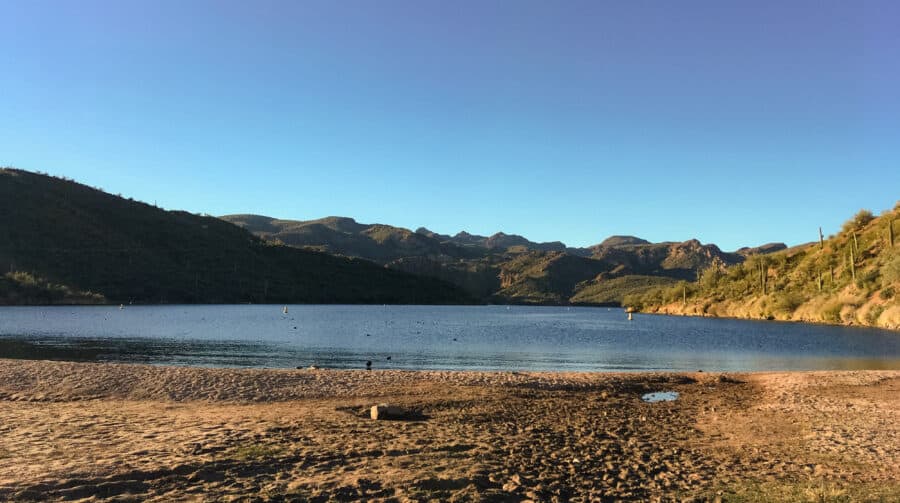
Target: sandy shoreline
(135,432)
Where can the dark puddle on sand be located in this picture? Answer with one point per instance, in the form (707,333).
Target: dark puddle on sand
(660,396)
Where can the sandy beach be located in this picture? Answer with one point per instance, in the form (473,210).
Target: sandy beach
(71,431)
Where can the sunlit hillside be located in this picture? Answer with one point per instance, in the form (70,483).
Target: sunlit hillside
(849,278)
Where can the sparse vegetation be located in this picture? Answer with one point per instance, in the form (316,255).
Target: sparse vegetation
(848,278)
(612,291)
(23,288)
(806,492)
(860,220)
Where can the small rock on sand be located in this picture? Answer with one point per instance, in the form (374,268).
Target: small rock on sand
(385,411)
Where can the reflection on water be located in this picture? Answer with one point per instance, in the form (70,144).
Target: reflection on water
(138,350)
(434,337)
(660,396)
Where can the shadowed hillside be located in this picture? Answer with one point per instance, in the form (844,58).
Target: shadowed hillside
(546,278)
(850,278)
(607,275)
(90,243)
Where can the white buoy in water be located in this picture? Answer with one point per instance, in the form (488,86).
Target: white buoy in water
(629,316)
(284,310)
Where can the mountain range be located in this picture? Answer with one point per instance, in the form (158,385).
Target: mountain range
(66,242)
(506,268)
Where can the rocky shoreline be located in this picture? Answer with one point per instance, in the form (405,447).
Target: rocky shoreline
(739,311)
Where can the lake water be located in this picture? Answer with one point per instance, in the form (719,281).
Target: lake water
(434,337)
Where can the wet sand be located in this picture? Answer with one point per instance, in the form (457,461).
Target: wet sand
(113,432)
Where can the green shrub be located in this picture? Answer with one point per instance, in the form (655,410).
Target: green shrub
(867,281)
(832,312)
(787,301)
(873,314)
(858,221)
(890,273)
(709,279)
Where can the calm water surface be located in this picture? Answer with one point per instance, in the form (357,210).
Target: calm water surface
(434,337)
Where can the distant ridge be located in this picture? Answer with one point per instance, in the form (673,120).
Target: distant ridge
(613,241)
(762,249)
(505,268)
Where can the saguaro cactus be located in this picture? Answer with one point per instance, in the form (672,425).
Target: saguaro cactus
(762,277)
(821,239)
(891,233)
(852,266)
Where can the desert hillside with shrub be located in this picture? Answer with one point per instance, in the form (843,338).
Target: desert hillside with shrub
(851,278)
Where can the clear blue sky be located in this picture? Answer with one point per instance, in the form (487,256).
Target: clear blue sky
(734,122)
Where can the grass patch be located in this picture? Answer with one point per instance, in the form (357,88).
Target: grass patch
(809,492)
